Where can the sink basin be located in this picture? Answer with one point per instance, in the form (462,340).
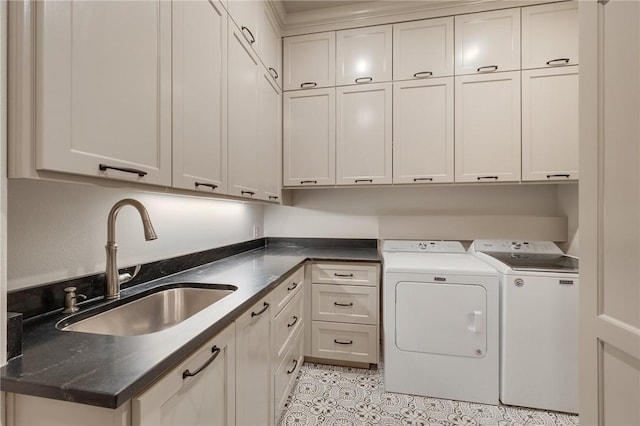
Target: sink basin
(157,311)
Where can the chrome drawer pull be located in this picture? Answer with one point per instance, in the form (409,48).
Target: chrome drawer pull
(215,351)
(347,305)
(302,182)
(247,30)
(308,85)
(251,193)
(295,364)
(293,287)
(488,68)
(210,185)
(423,74)
(364,180)
(295,320)
(559,61)
(273,73)
(261,311)
(350,342)
(488,177)
(343,275)
(364,79)
(419,179)
(140,173)
(561,175)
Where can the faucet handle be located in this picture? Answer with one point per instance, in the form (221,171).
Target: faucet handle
(126,277)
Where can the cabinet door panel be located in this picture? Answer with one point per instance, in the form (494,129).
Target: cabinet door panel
(550,124)
(270,43)
(309,138)
(364,55)
(245,14)
(116,109)
(243,117)
(309,61)
(488,39)
(363,141)
(423,131)
(199,96)
(423,49)
(269,138)
(487,123)
(550,34)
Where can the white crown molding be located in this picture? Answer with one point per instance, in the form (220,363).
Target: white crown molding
(386,12)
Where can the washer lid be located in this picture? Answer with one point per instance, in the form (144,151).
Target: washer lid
(440,263)
(538,262)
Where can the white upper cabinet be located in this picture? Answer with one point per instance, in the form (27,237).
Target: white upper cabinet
(270,43)
(246,14)
(309,61)
(269,140)
(423,131)
(550,124)
(488,41)
(487,127)
(423,49)
(199,96)
(243,77)
(309,144)
(363,134)
(113,118)
(550,35)
(363,55)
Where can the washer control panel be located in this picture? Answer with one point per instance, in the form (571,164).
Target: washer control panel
(425,246)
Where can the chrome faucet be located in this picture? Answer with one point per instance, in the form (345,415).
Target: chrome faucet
(114,279)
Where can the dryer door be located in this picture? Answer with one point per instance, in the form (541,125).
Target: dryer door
(447,319)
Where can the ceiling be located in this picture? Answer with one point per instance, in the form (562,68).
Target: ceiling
(294,6)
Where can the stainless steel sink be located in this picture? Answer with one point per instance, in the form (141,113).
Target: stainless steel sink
(155,312)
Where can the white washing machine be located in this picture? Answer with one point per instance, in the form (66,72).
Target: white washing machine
(538,322)
(440,321)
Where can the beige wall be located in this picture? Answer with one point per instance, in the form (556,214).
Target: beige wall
(58,230)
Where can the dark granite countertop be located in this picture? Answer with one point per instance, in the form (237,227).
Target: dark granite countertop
(107,371)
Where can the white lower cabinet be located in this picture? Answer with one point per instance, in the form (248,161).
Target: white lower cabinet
(199,391)
(286,373)
(254,379)
(487,127)
(550,124)
(423,131)
(364,134)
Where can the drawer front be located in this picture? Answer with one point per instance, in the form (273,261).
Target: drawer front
(345,274)
(289,288)
(287,323)
(347,342)
(286,373)
(345,303)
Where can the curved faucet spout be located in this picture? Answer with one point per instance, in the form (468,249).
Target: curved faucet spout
(113,279)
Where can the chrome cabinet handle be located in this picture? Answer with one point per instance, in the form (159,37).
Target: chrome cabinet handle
(488,68)
(364,79)
(210,185)
(423,74)
(309,85)
(560,175)
(559,61)
(215,351)
(343,275)
(350,342)
(250,193)
(295,320)
(295,364)
(273,197)
(419,179)
(364,180)
(247,30)
(274,73)
(487,177)
(347,305)
(261,311)
(302,182)
(105,167)
(293,287)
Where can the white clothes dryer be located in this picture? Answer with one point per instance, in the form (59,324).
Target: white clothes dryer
(538,322)
(440,321)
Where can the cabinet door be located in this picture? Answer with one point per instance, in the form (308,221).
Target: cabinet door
(245,14)
(363,141)
(270,43)
(199,391)
(254,385)
(116,110)
(488,41)
(550,124)
(423,49)
(243,116)
(309,144)
(199,96)
(309,61)
(550,35)
(269,152)
(487,127)
(423,131)
(363,55)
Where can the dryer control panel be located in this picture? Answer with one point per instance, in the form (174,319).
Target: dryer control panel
(515,246)
(417,246)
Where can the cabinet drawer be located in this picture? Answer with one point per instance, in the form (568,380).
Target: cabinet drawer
(287,323)
(286,373)
(346,303)
(347,342)
(289,288)
(345,274)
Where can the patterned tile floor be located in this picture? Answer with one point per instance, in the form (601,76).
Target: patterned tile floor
(330,395)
